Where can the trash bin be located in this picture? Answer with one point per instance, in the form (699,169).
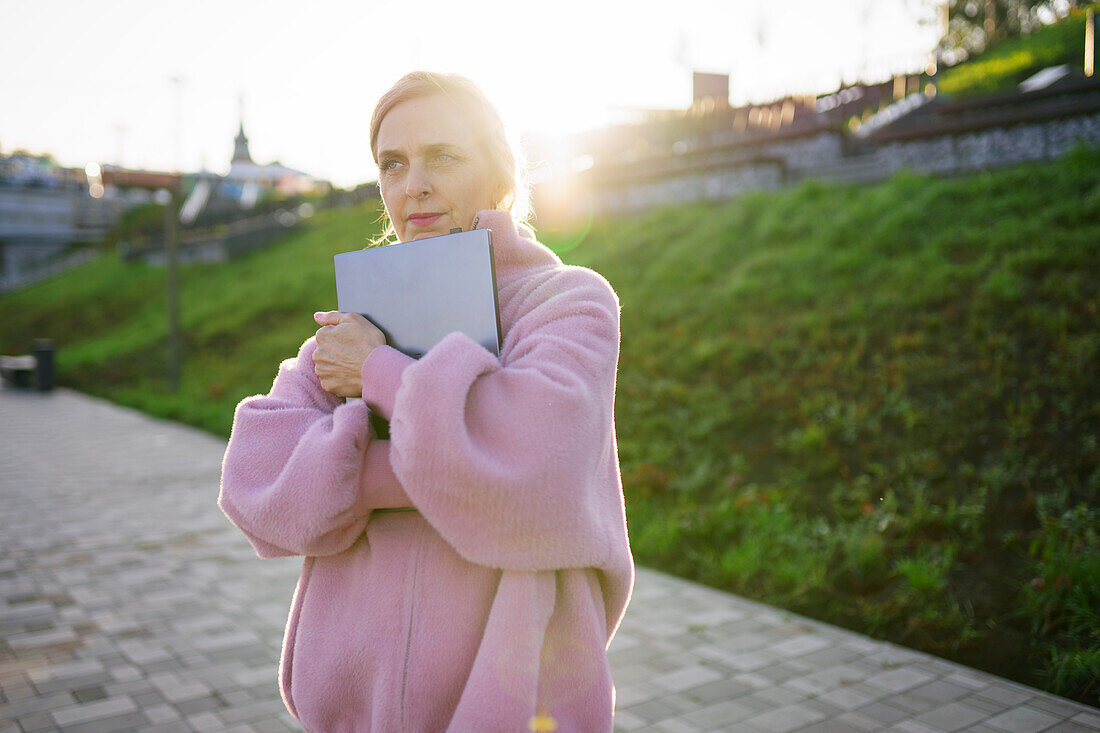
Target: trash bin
(43,364)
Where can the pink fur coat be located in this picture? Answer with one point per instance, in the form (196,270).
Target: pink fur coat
(490,608)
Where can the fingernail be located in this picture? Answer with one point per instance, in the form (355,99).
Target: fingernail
(318,314)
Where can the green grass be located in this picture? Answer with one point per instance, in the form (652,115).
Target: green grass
(878,406)
(1004,65)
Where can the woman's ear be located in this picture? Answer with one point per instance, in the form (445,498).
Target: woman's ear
(500,198)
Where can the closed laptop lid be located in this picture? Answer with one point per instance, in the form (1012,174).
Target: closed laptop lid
(418,292)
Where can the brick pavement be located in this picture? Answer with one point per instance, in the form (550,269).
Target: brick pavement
(128,603)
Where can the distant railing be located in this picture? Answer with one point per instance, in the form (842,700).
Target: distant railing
(49,269)
(218,244)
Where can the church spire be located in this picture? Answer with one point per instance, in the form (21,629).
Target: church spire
(240,143)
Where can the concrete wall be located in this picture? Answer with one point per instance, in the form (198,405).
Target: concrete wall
(824,156)
(709,185)
(991,148)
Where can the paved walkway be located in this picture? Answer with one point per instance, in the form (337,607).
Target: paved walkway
(127,602)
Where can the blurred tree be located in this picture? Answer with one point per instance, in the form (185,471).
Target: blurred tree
(974,24)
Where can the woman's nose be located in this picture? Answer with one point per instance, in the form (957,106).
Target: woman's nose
(417,184)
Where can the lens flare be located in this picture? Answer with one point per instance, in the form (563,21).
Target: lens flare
(542,724)
(566,237)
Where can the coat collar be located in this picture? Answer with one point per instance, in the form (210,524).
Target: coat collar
(514,246)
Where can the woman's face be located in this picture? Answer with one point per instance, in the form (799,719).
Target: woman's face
(431,170)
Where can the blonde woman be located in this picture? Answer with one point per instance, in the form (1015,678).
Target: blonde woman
(468,572)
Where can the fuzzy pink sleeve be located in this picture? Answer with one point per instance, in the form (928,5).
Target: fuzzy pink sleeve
(512,460)
(302,473)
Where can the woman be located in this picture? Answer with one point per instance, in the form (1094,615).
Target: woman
(467,573)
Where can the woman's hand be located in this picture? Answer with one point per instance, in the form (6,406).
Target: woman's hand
(344,342)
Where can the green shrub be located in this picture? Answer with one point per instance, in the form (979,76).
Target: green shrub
(1062,600)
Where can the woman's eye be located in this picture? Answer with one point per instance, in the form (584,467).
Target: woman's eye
(446,157)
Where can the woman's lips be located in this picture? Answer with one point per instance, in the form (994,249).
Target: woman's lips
(424,220)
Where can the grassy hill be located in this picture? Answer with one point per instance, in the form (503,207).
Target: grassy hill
(1005,64)
(878,406)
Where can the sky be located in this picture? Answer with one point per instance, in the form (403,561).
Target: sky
(93,80)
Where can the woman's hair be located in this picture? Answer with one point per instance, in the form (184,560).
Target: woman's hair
(505,165)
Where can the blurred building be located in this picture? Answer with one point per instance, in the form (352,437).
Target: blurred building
(713,87)
(214,197)
(46,209)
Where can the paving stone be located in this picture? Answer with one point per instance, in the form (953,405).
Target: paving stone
(824,680)
(718,714)
(952,716)
(826,709)
(205,722)
(32,640)
(626,721)
(912,726)
(243,713)
(860,722)
(940,691)
(674,726)
(911,703)
(715,617)
(93,711)
(723,689)
(125,674)
(750,661)
(652,711)
(1022,719)
(787,718)
(147,699)
(116,724)
(829,726)
(778,696)
(237,697)
(627,695)
(779,673)
(1087,719)
(1056,706)
(200,705)
(158,714)
(683,702)
(684,679)
(39,704)
(800,645)
(177,726)
(971,680)
(832,655)
(882,713)
(898,680)
(989,706)
(64,671)
(90,694)
(1006,695)
(753,680)
(846,698)
(28,724)
(1070,727)
(257,676)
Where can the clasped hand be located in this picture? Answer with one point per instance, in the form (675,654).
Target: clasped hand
(344,341)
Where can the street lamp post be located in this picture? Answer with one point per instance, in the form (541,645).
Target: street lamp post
(171,241)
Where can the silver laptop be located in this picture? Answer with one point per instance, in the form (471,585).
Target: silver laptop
(418,292)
